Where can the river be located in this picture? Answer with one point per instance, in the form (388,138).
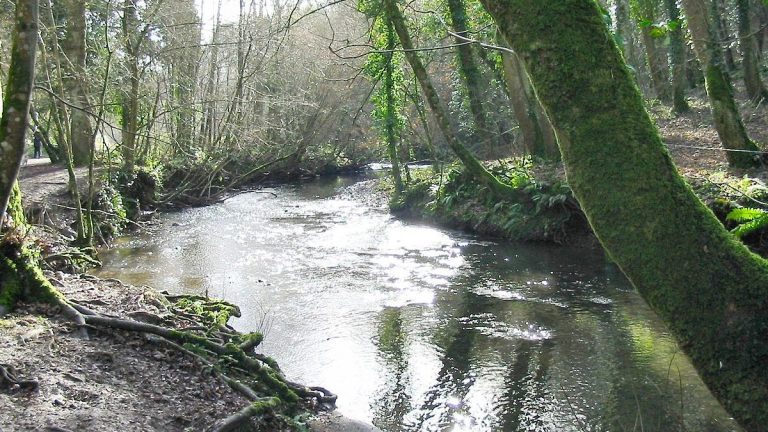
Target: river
(418,328)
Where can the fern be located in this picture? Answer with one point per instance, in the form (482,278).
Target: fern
(749,220)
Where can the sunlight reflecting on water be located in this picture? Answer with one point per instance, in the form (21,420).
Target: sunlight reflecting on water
(423,329)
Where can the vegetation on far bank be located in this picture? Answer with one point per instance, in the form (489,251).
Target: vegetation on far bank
(544,209)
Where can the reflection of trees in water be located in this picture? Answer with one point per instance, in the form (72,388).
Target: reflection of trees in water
(591,375)
(456,359)
(527,394)
(393,400)
(645,387)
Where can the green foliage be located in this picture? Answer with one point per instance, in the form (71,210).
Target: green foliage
(749,220)
(543,208)
(384,67)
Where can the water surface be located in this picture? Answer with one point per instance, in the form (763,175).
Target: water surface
(419,328)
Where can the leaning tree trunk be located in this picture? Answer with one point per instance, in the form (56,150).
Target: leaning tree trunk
(472,165)
(719,88)
(708,287)
(750,61)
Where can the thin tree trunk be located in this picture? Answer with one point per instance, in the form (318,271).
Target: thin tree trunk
(130,100)
(657,65)
(470,72)
(677,58)
(625,33)
(756,90)
(704,283)
(473,166)
(723,33)
(719,88)
(391,115)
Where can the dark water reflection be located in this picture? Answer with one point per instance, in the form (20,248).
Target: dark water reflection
(423,329)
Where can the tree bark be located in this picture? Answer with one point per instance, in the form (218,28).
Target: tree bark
(726,115)
(21,76)
(473,166)
(750,62)
(705,284)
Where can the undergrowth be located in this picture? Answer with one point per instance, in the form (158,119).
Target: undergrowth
(544,208)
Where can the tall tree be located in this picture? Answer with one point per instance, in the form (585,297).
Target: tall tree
(15,107)
(708,287)
(384,67)
(647,13)
(677,58)
(750,62)
(132,41)
(73,63)
(471,163)
(470,71)
(727,118)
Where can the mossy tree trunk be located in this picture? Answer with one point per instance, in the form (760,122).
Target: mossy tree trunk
(470,72)
(750,61)
(471,163)
(726,115)
(538,136)
(677,58)
(20,277)
(21,76)
(707,286)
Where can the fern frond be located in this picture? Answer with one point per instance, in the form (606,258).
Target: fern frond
(745,214)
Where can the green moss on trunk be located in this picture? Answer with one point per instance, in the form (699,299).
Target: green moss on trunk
(711,291)
(20,277)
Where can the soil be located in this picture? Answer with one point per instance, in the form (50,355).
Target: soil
(118,380)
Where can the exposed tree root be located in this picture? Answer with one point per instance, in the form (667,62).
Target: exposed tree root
(227,354)
(8,380)
(258,407)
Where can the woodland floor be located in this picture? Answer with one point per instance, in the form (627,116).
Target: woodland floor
(131,382)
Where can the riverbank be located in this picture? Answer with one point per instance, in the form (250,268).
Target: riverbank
(134,380)
(544,209)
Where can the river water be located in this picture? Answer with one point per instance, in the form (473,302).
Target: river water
(419,328)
